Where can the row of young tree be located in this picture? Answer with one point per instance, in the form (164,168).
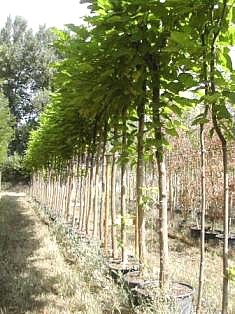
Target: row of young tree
(126,82)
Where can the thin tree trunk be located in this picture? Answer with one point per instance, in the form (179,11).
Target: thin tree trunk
(76,181)
(91,194)
(96,198)
(225,169)
(136,233)
(102,200)
(69,192)
(51,191)
(170,192)
(56,196)
(163,232)
(226,231)
(140,181)
(64,195)
(81,198)
(107,206)
(123,192)
(113,208)
(203,183)
(162,180)
(230,210)
(203,211)
(86,194)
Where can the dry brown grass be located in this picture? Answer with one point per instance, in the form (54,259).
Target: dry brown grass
(184,267)
(34,275)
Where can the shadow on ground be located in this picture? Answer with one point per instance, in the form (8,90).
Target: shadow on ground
(21,283)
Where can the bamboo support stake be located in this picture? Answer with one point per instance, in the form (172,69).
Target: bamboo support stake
(76,181)
(90,195)
(96,199)
(101,218)
(107,205)
(113,208)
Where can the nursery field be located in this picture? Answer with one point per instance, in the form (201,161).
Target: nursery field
(124,131)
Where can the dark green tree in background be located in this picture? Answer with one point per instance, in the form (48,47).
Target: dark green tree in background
(5,131)
(5,128)
(25,74)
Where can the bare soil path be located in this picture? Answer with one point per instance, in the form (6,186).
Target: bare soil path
(34,277)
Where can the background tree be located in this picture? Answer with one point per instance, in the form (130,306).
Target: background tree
(5,129)
(24,68)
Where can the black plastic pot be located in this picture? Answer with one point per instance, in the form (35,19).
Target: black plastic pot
(195,233)
(179,298)
(130,258)
(133,280)
(210,235)
(231,239)
(117,269)
(110,260)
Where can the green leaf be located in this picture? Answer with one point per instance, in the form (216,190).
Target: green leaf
(85,67)
(104,4)
(176,109)
(115,19)
(200,120)
(222,112)
(183,39)
(230,96)
(187,80)
(175,87)
(211,99)
(233,14)
(171,132)
(225,59)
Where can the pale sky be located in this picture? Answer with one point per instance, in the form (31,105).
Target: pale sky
(49,12)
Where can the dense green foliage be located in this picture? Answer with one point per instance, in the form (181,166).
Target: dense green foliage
(5,129)
(103,67)
(14,172)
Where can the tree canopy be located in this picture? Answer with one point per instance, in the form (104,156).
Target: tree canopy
(103,67)
(25,74)
(5,129)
